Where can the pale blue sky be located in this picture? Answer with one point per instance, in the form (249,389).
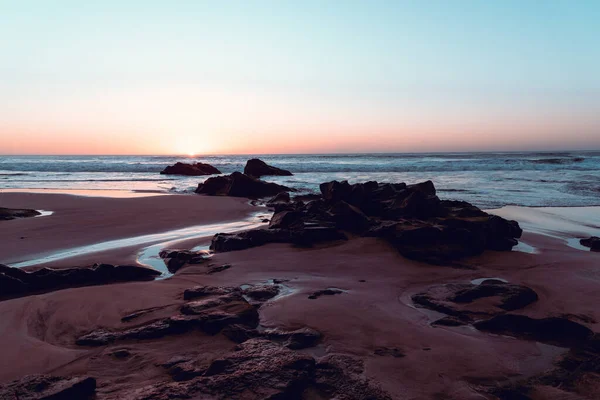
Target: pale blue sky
(301,75)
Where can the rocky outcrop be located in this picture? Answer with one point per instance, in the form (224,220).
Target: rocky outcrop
(258,168)
(38,387)
(240,185)
(13,213)
(462,301)
(15,282)
(263,369)
(411,217)
(196,169)
(592,242)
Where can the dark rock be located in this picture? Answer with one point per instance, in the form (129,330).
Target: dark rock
(258,168)
(15,282)
(14,213)
(349,217)
(217,268)
(204,291)
(222,242)
(196,169)
(262,292)
(120,353)
(285,219)
(297,339)
(512,297)
(555,331)
(38,387)
(324,292)
(280,198)
(240,185)
(592,242)
(240,333)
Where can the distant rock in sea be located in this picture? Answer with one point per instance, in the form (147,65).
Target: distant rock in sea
(258,168)
(196,169)
(240,185)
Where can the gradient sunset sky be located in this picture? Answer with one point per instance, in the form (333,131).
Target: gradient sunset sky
(170,77)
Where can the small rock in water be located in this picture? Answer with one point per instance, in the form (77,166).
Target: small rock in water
(592,242)
(325,292)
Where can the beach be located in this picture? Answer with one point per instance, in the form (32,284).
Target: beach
(372,318)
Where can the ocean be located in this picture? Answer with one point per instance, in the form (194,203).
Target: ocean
(488,180)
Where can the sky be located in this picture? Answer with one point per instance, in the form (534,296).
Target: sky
(243,77)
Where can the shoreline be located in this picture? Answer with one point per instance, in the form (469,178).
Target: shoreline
(373,319)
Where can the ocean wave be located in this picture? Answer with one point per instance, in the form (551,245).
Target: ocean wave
(557,161)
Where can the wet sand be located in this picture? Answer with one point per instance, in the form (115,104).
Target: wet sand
(439,362)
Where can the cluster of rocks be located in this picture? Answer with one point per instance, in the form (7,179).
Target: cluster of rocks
(263,364)
(196,169)
(592,242)
(262,369)
(14,213)
(460,302)
(411,217)
(37,387)
(15,282)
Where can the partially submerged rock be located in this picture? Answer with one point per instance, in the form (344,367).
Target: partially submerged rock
(411,217)
(38,387)
(258,168)
(592,242)
(15,282)
(13,213)
(196,169)
(240,185)
(175,259)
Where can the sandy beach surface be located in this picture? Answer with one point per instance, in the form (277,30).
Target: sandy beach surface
(373,319)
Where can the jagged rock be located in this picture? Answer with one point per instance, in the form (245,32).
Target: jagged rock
(240,185)
(262,292)
(285,219)
(204,291)
(15,282)
(324,292)
(297,339)
(258,168)
(208,317)
(240,333)
(38,387)
(555,331)
(280,198)
(14,213)
(196,169)
(592,242)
